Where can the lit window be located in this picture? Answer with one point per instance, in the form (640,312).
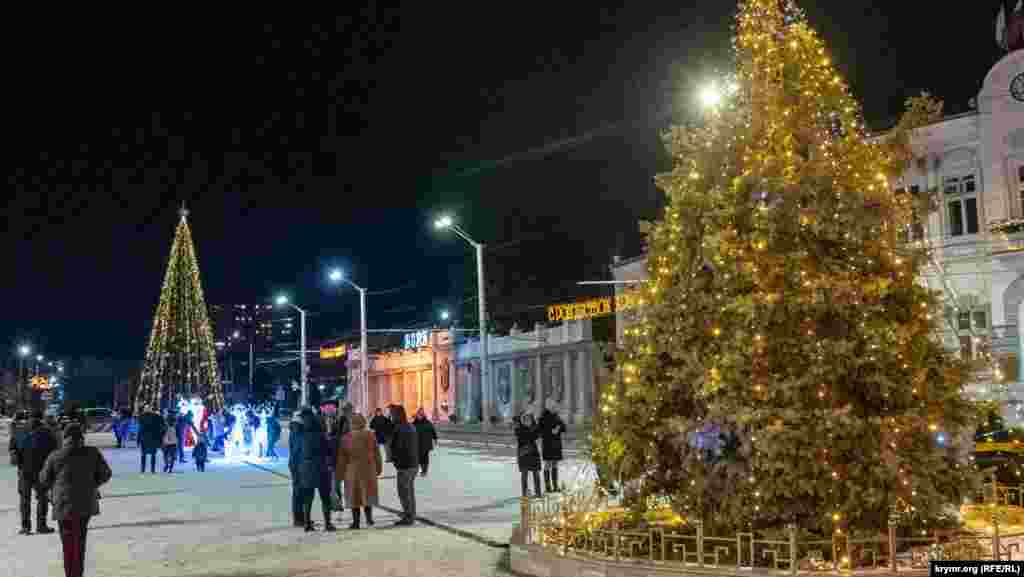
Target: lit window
(961,204)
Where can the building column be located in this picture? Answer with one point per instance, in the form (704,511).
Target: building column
(538,391)
(565,404)
(453,393)
(583,382)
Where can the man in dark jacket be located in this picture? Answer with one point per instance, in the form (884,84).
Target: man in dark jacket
(405,455)
(74,473)
(273,435)
(151,437)
(29,450)
(381,427)
(294,459)
(311,470)
(551,429)
(427,436)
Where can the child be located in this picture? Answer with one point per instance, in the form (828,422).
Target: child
(199,453)
(170,446)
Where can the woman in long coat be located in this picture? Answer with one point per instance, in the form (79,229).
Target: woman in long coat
(359,464)
(528,456)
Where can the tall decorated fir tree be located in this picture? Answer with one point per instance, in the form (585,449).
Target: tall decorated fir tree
(181,360)
(784,368)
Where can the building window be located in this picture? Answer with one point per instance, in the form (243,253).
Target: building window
(1020,186)
(961,204)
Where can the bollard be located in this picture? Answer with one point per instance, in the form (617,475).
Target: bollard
(892,545)
(524,515)
(793,565)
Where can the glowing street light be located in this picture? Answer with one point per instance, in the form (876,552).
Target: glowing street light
(281,301)
(710,95)
(39,358)
(338,276)
(447,223)
(24,350)
(444,315)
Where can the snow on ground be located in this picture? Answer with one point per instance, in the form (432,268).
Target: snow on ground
(235,519)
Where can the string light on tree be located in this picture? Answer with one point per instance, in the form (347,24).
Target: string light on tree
(785,331)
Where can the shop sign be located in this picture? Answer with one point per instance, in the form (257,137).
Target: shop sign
(593,308)
(333,352)
(416,340)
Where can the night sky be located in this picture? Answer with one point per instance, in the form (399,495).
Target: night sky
(304,142)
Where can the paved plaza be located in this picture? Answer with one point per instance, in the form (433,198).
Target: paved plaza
(235,519)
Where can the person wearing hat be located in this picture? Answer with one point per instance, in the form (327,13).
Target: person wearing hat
(73,475)
(29,450)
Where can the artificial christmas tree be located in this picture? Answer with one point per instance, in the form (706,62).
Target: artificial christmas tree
(784,368)
(181,362)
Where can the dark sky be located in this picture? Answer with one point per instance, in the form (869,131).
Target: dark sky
(306,141)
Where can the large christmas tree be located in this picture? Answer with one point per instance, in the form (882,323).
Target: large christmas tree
(181,361)
(785,368)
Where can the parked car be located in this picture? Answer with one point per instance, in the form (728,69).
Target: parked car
(98,415)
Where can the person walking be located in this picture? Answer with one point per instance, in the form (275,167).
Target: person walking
(551,429)
(359,464)
(115,427)
(294,460)
(29,451)
(311,471)
(171,444)
(405,455)
(426,438)
(151,437)
(74,474)
(528,457)
(381,427)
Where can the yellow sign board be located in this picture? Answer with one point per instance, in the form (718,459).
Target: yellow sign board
(40,382)
(999,447)
(593,308)
(333,352)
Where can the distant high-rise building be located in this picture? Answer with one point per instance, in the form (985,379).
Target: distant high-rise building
(237,326)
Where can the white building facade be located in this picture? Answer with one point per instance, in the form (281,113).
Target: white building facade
(975,164)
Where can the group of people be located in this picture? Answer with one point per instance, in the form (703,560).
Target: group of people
(170,435)
(339,460)
(529,458)
(67,477)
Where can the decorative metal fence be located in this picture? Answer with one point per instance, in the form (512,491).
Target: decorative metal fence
(544,524)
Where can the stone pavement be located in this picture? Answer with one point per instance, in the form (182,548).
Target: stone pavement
(235,519)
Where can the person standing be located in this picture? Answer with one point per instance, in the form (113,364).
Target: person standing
(426,437)
(179,429)
(551,429)
(528,457)
(115,426)
(29,450)
(359,464)
(311,471)
(273,435)
(151,437)
(405,456)
(382,428)
(74,474)
(171,445)
(294,460)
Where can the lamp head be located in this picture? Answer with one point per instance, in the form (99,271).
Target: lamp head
(24,350)
(336,275)
(443,222)
(236,334)
(39,358)
(444,315)
(710,95)
(281,300)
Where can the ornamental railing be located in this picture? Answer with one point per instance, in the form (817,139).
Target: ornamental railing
(543,524)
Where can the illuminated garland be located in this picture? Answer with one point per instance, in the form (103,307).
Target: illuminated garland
(784,369)
(181,360)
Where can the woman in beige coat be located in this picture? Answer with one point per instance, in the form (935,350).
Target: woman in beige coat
(359,464)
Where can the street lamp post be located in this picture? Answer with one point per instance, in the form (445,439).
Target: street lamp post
(446,222)
(23,352)
(337,275)
(303,383)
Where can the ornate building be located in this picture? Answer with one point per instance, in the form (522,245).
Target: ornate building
(548,367)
